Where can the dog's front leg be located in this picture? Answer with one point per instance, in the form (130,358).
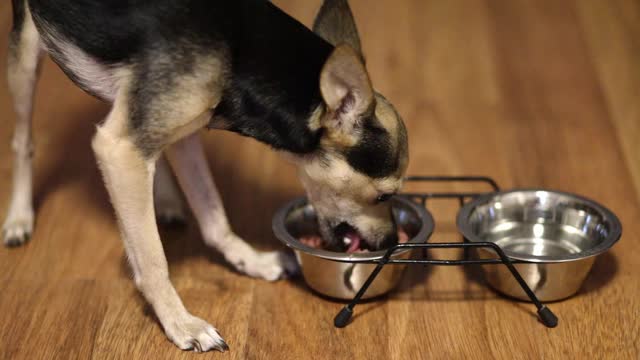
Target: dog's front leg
(188,161)
(128,174)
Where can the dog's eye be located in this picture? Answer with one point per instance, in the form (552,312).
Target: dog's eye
(383,198)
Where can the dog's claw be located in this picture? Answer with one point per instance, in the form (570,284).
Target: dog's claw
(223,346)
(18,232)
(192,333)
(195,345)
(16,241)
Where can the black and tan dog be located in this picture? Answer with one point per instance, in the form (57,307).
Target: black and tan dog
(171,67)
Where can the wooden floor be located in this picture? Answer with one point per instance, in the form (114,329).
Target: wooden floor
(533,93)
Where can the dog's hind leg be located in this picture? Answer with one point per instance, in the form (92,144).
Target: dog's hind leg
(166,196)
(24,58)
(190,165)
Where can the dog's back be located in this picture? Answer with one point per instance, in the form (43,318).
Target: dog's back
(91,40)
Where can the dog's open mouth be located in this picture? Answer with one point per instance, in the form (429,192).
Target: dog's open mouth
(349,240)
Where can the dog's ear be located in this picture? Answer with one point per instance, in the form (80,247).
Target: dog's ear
(346,90)
(335,24)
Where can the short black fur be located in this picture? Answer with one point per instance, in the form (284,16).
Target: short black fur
(111,31)
(276,64)
(374,154)
(275,61)
(18,14)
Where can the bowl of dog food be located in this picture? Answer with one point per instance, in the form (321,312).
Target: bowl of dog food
(341,274)
(552,237)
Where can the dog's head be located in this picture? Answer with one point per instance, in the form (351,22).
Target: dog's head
(363,151)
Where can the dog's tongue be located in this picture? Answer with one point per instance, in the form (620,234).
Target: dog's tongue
(353,239)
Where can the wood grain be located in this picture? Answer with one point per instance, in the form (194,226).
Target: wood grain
(538,94)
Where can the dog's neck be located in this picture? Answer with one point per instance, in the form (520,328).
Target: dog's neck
(273,87)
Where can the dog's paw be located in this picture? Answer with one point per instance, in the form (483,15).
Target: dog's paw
(273,265)
(193,333)
(17,229)
(170,213)
(270,266)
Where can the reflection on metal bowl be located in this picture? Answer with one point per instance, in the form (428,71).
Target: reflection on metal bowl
(552,236)
(340,275)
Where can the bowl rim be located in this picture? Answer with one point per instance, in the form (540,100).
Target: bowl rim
(464,227)
(279,229)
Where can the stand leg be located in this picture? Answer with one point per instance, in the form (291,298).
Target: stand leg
(342,319)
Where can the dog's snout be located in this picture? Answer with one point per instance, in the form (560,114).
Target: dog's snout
(389,240)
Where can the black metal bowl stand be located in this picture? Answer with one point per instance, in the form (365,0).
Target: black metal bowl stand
(544,313)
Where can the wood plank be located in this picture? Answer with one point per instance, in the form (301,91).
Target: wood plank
(612,31)
(535,94)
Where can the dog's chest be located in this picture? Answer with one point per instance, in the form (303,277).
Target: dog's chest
(92,76)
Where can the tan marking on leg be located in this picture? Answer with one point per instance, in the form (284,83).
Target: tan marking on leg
(183,105)
(128,176)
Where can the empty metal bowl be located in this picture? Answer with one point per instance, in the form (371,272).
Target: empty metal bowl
(553,237)
(340,275)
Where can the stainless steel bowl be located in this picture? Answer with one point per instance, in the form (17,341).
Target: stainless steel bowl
(340,275)
(553,236)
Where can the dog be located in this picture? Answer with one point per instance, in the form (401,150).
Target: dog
(172,67)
